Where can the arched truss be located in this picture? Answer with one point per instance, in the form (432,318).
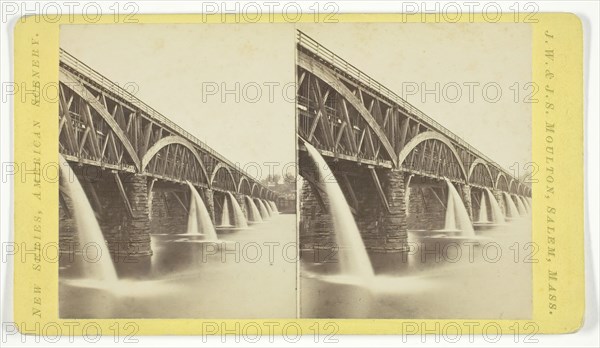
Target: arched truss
(480,174)
(524,190)
(520,189)
(513,185)
(335,118)
(88,130)
(432,153)
(254,191)
(175,157)
(223,178)
(98,125)
(345,116)
(501,182)
(244,186)
(261,192)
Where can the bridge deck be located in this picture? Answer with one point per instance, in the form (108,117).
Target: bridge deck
(340,104)
(350,71)
(91,81)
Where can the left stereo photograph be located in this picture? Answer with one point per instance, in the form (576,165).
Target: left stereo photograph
(177,171)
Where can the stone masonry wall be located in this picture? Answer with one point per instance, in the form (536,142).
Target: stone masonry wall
(500,199)
(134,236)
(168,216)
(242,202)
(465,193)
(425,211)
(316,226)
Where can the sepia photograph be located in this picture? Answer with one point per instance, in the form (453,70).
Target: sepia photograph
(179,148)
(177,157)
(298,173)
(414,147)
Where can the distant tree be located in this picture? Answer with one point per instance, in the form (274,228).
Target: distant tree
(271,179)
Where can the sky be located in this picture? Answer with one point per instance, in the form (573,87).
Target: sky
(183,70)
(403,55)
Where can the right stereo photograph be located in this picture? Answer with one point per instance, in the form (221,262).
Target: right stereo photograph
(414,151)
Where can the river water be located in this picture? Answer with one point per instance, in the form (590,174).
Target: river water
(251,273)
(486,276)
(248,273)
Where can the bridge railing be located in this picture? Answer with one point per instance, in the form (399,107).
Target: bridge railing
(68,59)
(336,61)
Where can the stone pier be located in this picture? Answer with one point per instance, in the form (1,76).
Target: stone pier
(384,232)
(500,199)
(389,252)
(316,226)
(465,191)
(427,205)
(125,220)
(210,203)
(240,198)
(393,227)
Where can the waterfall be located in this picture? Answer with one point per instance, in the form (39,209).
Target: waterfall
(520,206)
(407,200)
(192,225)
(268,207)
(450,223)
(525,204)
(150,198)
(88,230)
(497,215)
(238,214)
(353,257)
(254,215)
(528,200)
(511,208)
(456,213)
(407,195)
(199,221)
(263,211)
(225,214)
(483,214)
(274,207)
